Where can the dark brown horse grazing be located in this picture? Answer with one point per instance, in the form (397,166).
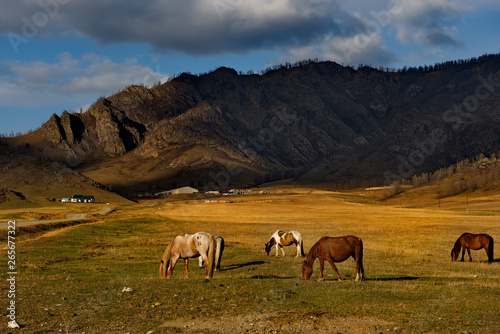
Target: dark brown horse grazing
(334,249)
(468,241)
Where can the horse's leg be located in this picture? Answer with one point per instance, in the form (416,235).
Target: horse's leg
(200,262)
(207,265)
(298,250)
(463,253)
(468,252)
(360,271)
(185,268)
(487,252)
(359,275)
(170,269)
(330,260)
(282,250)
(321,267)
(277,250)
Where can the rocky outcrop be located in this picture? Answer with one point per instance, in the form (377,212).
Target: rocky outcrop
(114,131)
(52,130)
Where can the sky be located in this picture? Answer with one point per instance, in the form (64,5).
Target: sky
(58,55)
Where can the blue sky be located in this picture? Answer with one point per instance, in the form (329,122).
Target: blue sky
(61,55)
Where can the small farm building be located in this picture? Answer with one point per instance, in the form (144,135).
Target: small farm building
(183,190)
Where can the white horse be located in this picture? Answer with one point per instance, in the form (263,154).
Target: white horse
(219,248)
(185,246)
(280,239)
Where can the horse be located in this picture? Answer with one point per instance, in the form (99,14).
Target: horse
(468,241)
(334,249)
(219,248)
(185,246)
(281,239)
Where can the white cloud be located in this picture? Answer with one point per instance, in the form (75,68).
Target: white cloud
(359,49)
(70,79)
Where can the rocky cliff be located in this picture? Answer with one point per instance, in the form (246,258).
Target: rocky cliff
(319,122)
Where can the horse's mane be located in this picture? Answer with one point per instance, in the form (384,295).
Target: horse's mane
(313,252)
(457,246)
(272,241)
(165,262)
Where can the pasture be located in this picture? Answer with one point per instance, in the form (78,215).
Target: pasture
(72,280)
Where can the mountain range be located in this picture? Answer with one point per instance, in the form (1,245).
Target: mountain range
(316,122)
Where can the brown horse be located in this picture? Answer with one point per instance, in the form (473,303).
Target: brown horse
(468,241)
(334,249)
(185,246)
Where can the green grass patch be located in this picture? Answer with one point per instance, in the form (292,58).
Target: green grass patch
(73,281)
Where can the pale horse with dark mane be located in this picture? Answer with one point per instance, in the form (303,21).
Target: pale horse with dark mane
(219,249)
(280,239)
(185,246)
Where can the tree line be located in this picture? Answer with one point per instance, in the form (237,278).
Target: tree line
(480,173)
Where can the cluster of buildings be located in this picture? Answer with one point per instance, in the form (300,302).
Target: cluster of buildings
(79,199)
(191,190)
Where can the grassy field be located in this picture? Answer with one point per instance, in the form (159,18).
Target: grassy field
(71,280)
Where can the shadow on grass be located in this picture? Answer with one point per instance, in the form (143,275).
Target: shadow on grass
(242,265)
(397,278)
(479,261)
(375,279)
(271,277)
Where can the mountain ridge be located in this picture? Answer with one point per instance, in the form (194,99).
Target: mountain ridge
(319,122)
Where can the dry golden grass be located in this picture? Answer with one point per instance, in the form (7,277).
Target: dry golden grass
(397,241)
(411,282)
(317,213)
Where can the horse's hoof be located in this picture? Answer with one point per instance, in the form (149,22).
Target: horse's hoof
(321,279)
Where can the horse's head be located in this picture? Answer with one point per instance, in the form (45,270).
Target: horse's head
(307,269)
(268,247)
(454,255)
(163,270)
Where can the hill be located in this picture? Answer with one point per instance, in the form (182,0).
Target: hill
(30,181)
(317,123)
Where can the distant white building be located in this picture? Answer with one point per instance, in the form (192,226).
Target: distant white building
(183,190)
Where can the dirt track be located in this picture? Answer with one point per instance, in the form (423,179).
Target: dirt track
(281,323)
(69,217)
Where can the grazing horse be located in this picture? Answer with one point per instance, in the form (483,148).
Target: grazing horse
(468,241)
(281,239)
(219,248)
(185,246)
(334,249)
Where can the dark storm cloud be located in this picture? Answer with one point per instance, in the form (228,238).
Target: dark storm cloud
(197,27)
(429,22)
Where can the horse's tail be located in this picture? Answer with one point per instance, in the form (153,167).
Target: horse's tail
(211,257)
(490,250)
(218,251)
(362,269)
(165,262)
(302,247)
